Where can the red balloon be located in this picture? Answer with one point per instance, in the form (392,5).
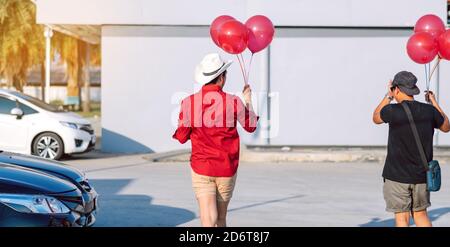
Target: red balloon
(215,27)
(422,47)
(261,32)
(233,37)
(430,24)
(444,45)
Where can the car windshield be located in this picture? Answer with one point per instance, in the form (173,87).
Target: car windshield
(39,103)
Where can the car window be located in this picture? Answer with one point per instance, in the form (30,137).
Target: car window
(6,105)
(26,109)
(38,102)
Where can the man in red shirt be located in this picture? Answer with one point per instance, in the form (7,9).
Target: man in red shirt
(208,118)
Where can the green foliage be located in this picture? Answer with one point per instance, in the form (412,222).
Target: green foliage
(57,102)
(95,110)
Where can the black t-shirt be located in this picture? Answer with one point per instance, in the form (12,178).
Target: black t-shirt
(403,162)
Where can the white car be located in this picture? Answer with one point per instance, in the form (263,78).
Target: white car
(31,126)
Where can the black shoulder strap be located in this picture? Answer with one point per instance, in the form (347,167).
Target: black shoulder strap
(416,134)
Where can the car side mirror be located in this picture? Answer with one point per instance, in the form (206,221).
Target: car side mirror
(17,112)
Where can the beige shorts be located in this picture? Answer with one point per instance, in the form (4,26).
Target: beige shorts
(402,197)
(221,187)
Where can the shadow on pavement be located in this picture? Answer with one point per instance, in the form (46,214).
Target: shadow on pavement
(264,203)
(95,154)
(116,167)
(133,210)
(433,214)
(117,143)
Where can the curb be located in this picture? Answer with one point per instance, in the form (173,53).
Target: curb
(171,156)
(300,155)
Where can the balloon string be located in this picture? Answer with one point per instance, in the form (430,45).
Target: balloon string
(426,77)
(249,67)
(242,70)
(245,69)
(434,68)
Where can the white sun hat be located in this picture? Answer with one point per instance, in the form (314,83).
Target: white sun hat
(210,67)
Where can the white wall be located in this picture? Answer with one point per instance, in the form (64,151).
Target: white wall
(202,12)
(444,97)
(330,81)
(144,68)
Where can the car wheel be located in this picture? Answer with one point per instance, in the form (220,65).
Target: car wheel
(49,146)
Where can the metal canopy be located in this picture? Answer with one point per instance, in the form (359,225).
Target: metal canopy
(88,33)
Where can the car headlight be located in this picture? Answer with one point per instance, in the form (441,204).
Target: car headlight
(70,125)
(34,204)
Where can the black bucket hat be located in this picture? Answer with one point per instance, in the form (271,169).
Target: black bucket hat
(406,81)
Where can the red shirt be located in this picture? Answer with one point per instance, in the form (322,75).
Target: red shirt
(208,118)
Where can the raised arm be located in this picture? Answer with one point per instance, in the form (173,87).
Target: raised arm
(245,114)
(384,102)
(445,127)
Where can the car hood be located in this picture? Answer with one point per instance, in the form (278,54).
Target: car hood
(27,181)
(68,117)
(51,167)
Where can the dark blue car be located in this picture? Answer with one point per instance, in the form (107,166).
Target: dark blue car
(40,192)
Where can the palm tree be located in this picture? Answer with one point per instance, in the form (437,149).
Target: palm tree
(73,54)
(94,53)
(21,41)
(70,50)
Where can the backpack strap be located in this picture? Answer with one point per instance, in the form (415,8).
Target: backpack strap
(416,135)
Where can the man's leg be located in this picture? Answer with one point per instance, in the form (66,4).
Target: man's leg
(421,201)
(402,219)
(225,188)
(205,192)
(421,219)
(222,208)
(398,200)
(208,210)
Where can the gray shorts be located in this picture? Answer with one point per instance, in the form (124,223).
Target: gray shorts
(402,197)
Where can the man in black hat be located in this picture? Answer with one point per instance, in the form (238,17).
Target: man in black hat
(405,189)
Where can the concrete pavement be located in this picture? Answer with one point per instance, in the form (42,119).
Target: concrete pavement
(137,192)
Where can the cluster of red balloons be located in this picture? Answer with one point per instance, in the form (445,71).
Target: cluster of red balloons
(429,39)
(234,37)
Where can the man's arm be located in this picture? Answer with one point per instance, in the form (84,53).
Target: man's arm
(384,102)
(245,114)
(184,130)
(445,127)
